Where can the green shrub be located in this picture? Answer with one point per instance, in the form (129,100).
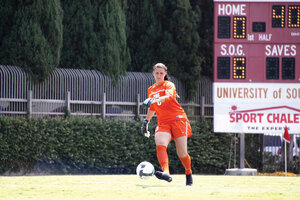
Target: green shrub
(85,145)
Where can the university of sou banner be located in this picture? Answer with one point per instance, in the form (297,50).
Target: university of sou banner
(256,107)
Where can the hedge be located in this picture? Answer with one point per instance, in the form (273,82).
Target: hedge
(90,145)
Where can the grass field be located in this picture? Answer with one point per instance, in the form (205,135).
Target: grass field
(108,187)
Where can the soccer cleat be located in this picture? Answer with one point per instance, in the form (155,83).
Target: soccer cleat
(189,180)
(163,176)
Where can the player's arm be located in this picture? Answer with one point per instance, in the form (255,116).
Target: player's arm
(164,98)
(161,99)
(170,93)
(150,114)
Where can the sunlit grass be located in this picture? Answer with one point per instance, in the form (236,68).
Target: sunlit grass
(131,187)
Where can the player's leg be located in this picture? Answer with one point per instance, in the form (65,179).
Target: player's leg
(181,130)
(181,148)
(162,139)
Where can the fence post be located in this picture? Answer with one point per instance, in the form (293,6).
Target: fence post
(68,100)
(29,103)
(68,104)
(104,105)
(202,106)
(242,150)
(290,151)
(138,109)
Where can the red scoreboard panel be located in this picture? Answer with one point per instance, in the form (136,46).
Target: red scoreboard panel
(257,41)
(256,85)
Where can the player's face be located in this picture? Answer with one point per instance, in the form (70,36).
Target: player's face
(159,75)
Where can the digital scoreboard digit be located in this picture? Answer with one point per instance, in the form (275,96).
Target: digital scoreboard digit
(239,27)
(256,86)
(294,16)
(278,16)
(239,68)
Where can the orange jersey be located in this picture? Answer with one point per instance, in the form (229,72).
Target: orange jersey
(169,110)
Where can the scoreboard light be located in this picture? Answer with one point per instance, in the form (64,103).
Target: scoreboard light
(223,67)
(288,68)
(259,27)
(272,68)
(239,27)
(239,68)
(278,13)
(294,17)
(224,27)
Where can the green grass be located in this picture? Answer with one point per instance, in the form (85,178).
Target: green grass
(131,187)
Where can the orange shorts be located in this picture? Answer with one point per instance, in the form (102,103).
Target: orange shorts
(177,128)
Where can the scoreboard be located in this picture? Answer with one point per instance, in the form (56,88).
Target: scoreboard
(249,34)
(256,66)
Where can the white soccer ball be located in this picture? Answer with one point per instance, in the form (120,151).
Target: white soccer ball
(145,170)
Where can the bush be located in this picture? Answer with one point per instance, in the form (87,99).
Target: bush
(89,145)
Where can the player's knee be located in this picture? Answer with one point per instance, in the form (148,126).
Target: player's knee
(162,138)
(182,154)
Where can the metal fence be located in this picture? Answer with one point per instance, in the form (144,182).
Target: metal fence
(89,92)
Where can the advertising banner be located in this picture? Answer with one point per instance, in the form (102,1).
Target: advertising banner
(256,107)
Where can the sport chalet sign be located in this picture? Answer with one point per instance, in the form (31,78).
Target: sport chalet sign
(256,107)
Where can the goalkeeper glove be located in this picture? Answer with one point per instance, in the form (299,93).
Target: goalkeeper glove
(144,128)
(149,101)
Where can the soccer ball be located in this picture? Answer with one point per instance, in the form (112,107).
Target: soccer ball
(145,170)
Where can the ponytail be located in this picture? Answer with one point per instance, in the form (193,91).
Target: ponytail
(166,77)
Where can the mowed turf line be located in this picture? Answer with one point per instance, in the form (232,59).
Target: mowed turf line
(108,187)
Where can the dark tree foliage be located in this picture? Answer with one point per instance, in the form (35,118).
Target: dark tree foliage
(204,10)
(31,35)
(79,36)
(144,33)
(183,39)
(95,36)
(167,33)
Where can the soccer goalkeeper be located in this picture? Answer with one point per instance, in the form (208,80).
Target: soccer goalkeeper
(172,124)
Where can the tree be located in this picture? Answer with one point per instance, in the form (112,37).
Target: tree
(144,36)
(95,36)
(204,10)
(168,34)
(31,35)
(180,44)
(115,53)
